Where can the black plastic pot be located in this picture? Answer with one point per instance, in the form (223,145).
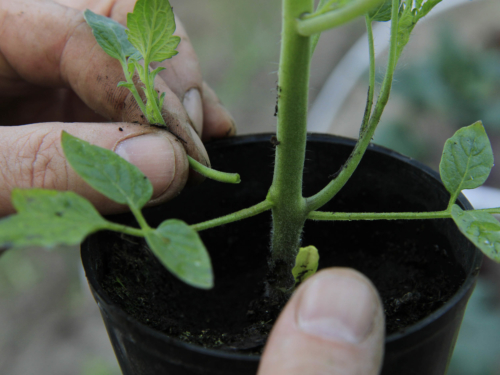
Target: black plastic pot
(387,179)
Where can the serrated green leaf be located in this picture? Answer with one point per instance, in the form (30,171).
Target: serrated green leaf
(409,15)
(110,35)
(467,159)
(150,29)
(107,172)
(407,22)
(306,264)
(481,228)
(382,13)
(427,7)
(162,99)
(154,73)
(180,249)
(48,218)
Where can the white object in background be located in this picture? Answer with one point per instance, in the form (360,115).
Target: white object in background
(483,197)
(350,69)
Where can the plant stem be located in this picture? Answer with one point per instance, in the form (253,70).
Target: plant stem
(230,178)
(348,216)
(493,211)
(125,229)
(139,217)
(235,216)
(324,196)
(286,190)
(133,89)
(371,82)
(315,23)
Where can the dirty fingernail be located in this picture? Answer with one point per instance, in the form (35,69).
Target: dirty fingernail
(337,308)
(230,121)
(200,147)
(154,155)
(192,104)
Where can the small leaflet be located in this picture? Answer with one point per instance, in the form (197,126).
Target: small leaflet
(481,228)
(180,249)
(107,172)
(467,159)
(49,218)
(306,264)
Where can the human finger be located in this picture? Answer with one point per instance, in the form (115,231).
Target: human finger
(32,156)
(334,324)
(217,121)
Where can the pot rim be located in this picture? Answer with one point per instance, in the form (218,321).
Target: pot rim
(259,137)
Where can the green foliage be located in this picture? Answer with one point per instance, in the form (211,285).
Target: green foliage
(110,35)
(182,252)
(49,218)
(107,172)
(382,13)
(409,15)
(306,264)
(149,38)
(481,228)
(467,159)
(150,29)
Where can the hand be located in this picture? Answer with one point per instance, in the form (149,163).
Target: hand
(333,324)
(54,76)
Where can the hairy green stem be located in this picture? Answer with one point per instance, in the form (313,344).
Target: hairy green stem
(235,216)
(230,178)
(314,23)
(348,216)
(132,88)
(125,229)
(324,196)
(371,82)
(286,190)
(139,217)
(493,211)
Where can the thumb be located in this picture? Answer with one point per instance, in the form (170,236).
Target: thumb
(333,324)
(32,156)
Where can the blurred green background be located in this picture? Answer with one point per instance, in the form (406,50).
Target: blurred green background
(450,77)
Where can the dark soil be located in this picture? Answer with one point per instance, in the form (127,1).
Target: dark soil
(411,263)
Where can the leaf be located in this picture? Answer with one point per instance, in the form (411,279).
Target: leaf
(49,218)
(408,18)
(153,75)
(180,249)
(467,159)
(481,228)
(106,172)
(110,35)
(306,264)
(382,13)
(427,7)
(161,100)
(407,22)
(150,29)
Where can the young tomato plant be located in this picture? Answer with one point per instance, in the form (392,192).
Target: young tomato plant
(48,218)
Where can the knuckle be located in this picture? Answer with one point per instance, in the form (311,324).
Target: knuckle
(39,161)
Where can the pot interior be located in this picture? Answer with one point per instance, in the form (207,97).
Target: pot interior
(416,265)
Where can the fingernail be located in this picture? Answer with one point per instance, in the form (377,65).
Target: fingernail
(232,130)
(193,106)
(337,308)
(154,155)
(200,147)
